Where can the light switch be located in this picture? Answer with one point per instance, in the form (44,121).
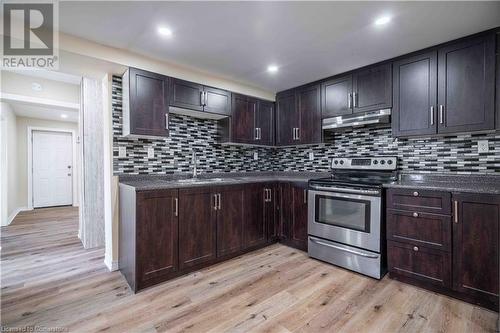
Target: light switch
(122,152)
(256,156)
(151,152)
(483,146)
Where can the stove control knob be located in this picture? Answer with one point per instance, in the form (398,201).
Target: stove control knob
(336,162)
(375,162)
(389,162)
(341,161)
(382,161)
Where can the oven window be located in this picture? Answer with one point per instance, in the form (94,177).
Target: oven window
(342,212)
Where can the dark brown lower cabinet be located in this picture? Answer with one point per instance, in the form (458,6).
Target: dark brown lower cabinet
(456,254)
(255,228)
(294,215)
(197,227)
(230,217)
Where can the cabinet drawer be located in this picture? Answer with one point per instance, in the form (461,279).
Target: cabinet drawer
(419,200)
(419,263)
(421,229)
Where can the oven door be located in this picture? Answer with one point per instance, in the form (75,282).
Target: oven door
(348,218)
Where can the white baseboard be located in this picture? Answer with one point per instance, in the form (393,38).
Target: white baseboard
(112,265)
(15,212)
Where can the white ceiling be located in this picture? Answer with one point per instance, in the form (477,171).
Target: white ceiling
(307,40)
(41,112)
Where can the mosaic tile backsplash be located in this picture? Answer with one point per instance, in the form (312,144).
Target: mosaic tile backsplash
(450,154)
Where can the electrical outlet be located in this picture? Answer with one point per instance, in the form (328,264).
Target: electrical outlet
(311,156)
(483,146)
(151,152)
(122,152)
(256,156)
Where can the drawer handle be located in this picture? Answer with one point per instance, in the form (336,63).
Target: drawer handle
(415,248)
(415,214)
(415,194)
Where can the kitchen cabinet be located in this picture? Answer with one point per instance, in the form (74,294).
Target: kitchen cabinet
(197,97)
(415,95)
(272,211)
(309,109)
(466,85)
(336,97)
(255,225)
(294,215)
(145,104)
(446,242)
(449,89)
(372,88)
(197,227)
(287,118)
(230,207)
(264,121)
(476,220)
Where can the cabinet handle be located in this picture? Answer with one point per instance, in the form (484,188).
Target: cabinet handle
(441,113)
(215,201)
(166,121)
(202,97)
(415,214)
(349,103)
(176,207)
(354,99)
(415,194)
(305,196)
(256,134)
(298,133)
(432,115)
(270,195)
(205,98)
(260,133)
(455,217)
(220,204)
(293,133)
(415,248)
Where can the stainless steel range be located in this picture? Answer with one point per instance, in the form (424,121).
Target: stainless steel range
(346,214)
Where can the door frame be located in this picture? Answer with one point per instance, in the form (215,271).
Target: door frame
(74,179)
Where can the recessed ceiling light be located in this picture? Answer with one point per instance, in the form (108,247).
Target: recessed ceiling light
(164,31)
(383,20)
(64,116)
(272,68)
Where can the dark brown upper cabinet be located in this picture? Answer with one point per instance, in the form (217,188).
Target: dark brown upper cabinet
(287,118)
(415,95)
(372,88)
(252,121)
(145,104)
(309,109)
(449,89)
(336,97)
(466,85)
(197,97)
(298,116)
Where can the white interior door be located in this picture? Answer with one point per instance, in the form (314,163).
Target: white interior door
(52,169)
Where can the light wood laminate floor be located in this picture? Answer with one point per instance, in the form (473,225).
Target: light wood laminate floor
(49,280)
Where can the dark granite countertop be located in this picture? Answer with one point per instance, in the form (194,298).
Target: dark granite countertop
(485,184)
(182,180)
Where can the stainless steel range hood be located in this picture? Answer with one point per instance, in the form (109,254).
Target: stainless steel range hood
(354,120)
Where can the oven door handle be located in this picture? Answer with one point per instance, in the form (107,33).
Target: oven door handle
(345,190)
(314,240)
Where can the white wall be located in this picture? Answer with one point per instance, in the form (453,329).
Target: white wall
(22,156)
(8,169)
(21,84)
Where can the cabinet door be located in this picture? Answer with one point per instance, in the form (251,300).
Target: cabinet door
(197,219)
(157,223)
(309,108)
(466,83)
(254,230)
(188,95)
(230,215)
(415,95)
(217,101)
(298,234)
(475,245)
(287,119)
(243,119)
(265,123)
(271,213)
(336,97)
(148,102)
(372,88)
(285,212)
